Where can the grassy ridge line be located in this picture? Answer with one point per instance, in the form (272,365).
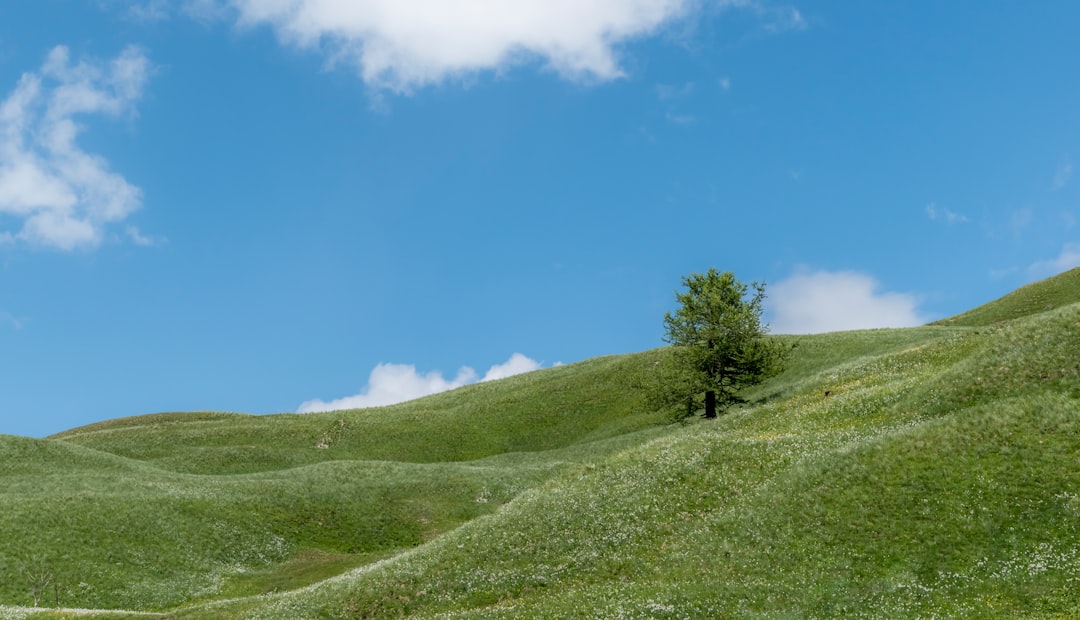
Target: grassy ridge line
(25,456)
(1037,297)
(915,490)
(538,411)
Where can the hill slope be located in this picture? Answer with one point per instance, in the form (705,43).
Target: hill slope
(155,511)
(1042,296)
(527,413)
(919,488)
(887,473)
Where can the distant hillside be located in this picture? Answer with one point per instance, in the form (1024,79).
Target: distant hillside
(1055,292)
(896,473)
(537,411)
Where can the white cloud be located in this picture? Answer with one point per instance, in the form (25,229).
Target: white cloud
(516,365)
(950,217)
(63,196)
(401,45)
(1066,260)
(396,383)
(393,383)
(823,301)
(404,44)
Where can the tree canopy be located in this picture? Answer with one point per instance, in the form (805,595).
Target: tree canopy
(720,342)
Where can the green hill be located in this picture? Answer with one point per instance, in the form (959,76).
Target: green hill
(926,472)
(1034,298)
(534,412)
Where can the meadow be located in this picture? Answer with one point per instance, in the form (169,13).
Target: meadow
(931,472)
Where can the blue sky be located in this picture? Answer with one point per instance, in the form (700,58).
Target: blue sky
(281,205)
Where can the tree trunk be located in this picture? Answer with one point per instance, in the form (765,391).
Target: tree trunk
(710,404)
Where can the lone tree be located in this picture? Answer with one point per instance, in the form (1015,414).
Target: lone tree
(720,343)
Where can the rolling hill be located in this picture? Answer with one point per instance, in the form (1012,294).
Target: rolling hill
(924,472)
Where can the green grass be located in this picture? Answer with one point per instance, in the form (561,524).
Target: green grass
(916,473)
(159,511)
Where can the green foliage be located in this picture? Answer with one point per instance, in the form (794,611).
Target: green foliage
(719,341)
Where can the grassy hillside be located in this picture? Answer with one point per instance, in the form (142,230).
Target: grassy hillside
(1042,296)
(155,511)
(939,477)
(538,411)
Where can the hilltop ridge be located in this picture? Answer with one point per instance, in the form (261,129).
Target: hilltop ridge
(1042,296)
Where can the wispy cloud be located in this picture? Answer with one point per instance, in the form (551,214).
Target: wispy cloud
(669,92)
(62,196)
(823,301)
(671,95)
(1064,261)
(1021,219)
(1067,220)
(395,383)
(149,11)
(1062,175)
(945,215)
(680,119)
(138,238)
(782,19)
(11,321)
